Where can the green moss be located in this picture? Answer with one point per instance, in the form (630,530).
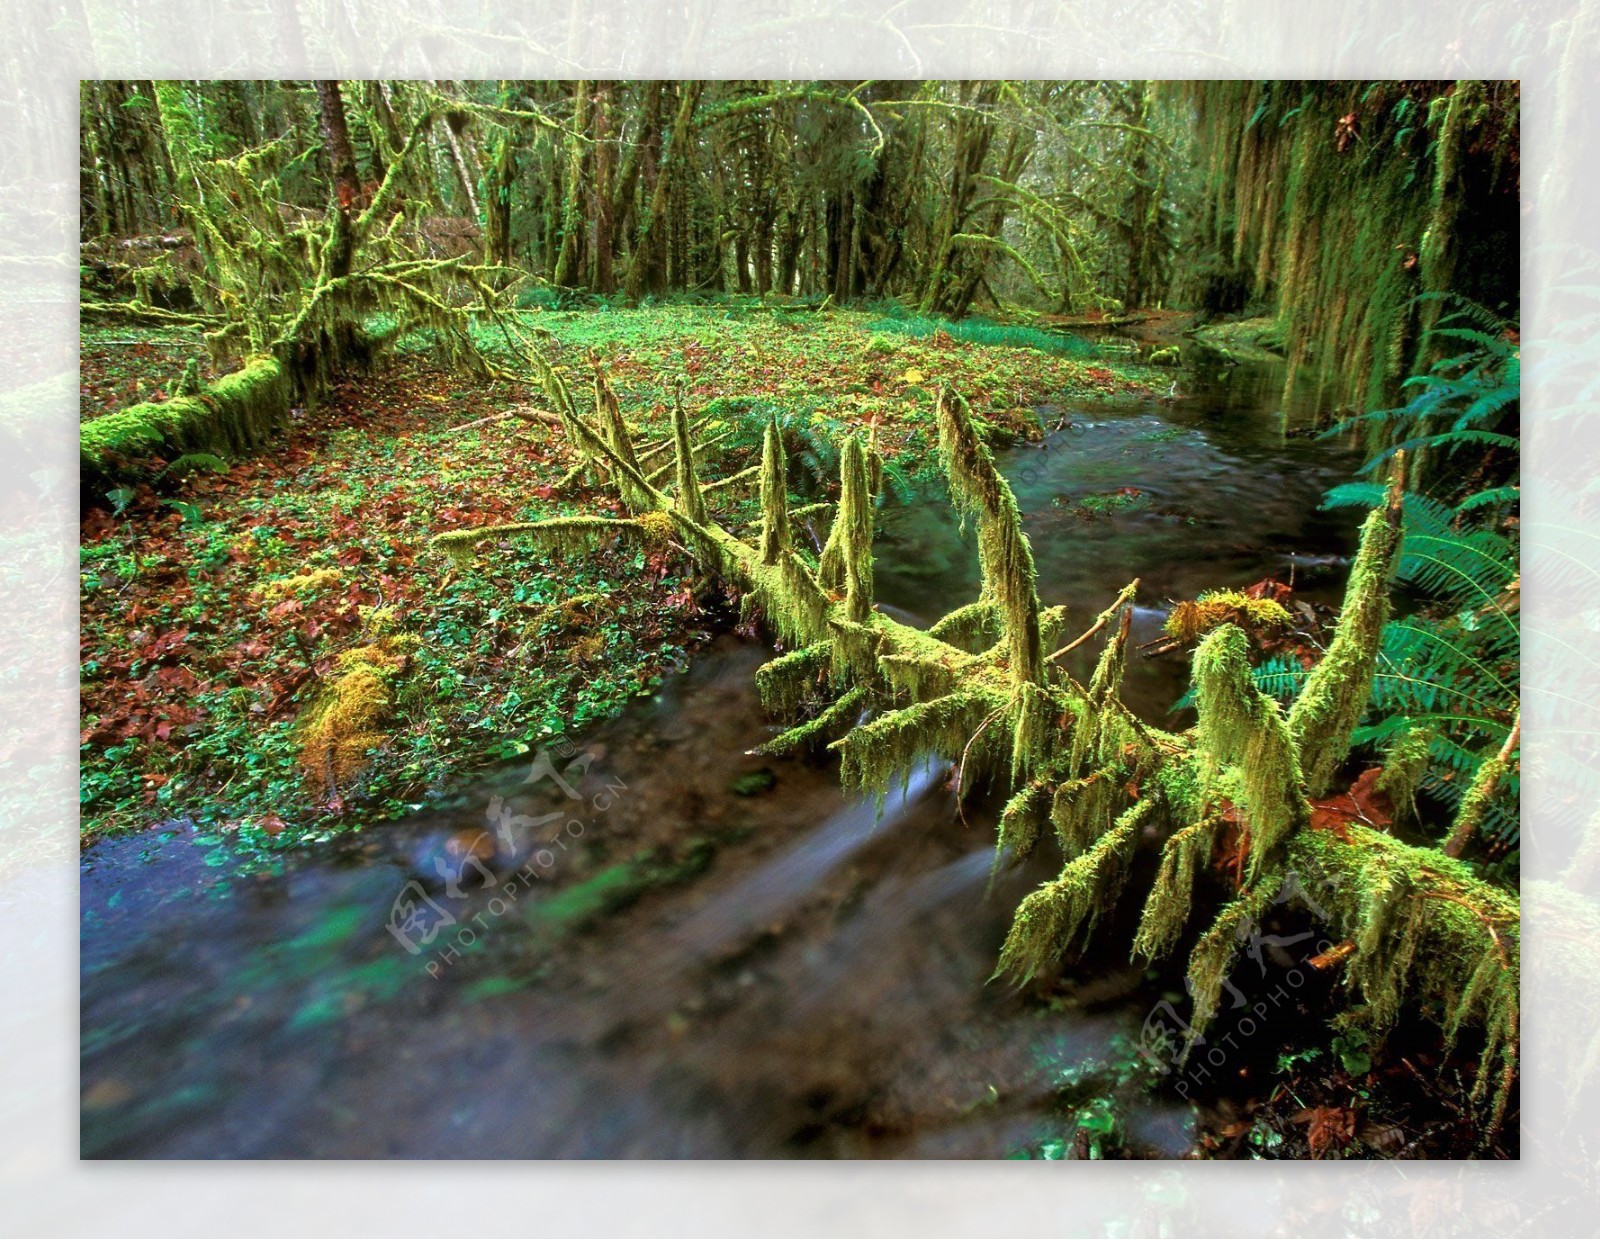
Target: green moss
(238,412)
(790,679)
(1022,820)
(853,525)
(1337,203)
(972,628)
(1213,956)
(1427,931)
(875,754)
(561,535)
(1166,910)
(1053,914)
(608,412)
(1336,693)
(190,383)
(1004,554)
(1243,729)
(1404,765)
(1081,809)
(1479,796)
(964,692)
(1189,621)
(689,501)
(775,536)
(831,723)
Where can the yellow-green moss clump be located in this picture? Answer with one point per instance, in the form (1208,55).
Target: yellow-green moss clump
(1191,620)
(301,583)
(343,724)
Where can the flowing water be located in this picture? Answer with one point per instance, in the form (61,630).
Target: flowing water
(656,945)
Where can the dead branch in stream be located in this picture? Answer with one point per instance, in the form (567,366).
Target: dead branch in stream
(976,690)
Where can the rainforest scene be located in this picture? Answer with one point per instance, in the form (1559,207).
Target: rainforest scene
(778,619)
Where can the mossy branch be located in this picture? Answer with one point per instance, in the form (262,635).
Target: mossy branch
(1003,550)
(1336,693)
(1050,917)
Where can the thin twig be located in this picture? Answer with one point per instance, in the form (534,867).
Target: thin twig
(1101,621)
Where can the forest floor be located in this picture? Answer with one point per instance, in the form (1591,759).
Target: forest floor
(219,611)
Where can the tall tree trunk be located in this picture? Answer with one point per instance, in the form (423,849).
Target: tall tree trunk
(653,227)
(569,261)
(336,146)
(971,147)
(454,122)
(601,202)
(646,138)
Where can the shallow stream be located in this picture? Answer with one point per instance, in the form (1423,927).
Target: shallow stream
(669,948)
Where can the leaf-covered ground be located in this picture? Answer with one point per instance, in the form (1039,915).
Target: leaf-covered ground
(120,366)
(218,609)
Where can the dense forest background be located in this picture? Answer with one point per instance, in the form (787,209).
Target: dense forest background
(1330,205)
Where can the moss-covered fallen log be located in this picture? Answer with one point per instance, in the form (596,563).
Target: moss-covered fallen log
(295,294)
(1428,934)
(236,413)
(231,416)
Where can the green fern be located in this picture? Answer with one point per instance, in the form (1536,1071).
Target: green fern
(1451,665)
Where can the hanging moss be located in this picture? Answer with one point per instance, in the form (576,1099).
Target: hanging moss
(918,678)
(853,527)
(1082,809)
(1050,917)
(1033,732)
(1337,203)
(825,728)
(972,628)
(1166,910)
(1336,693)
(609,414)
(786,593)
(791,678)
(877,753)
(1480,794)
(1103,727)
(1404,765)
(1242,728)
(1022,820)
(1213,956)
(1106,683)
